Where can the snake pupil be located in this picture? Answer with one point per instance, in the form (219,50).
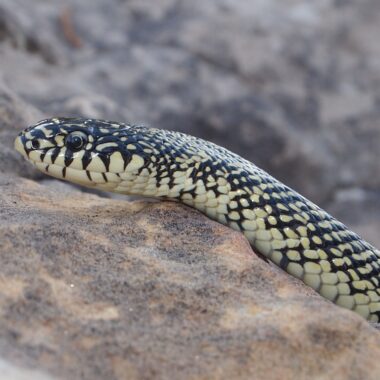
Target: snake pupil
(75,142)
(35,144)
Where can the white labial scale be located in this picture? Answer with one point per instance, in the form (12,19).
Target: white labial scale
(60,160)
(116,163)
(97,177)
(41,166)
(77,160)
(47,158)
(111,177)
(54,170)
(34,155)
(77,176)
(96,165)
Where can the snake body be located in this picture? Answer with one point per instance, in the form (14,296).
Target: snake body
(279,223)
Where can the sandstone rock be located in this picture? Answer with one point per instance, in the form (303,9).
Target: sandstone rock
(96,288)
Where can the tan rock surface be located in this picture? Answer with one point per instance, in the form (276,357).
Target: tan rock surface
(95,288)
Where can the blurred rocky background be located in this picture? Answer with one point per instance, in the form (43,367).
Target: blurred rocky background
(292,85)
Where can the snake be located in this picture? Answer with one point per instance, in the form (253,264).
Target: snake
(279,223)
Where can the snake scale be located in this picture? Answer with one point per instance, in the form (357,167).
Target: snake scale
(279,223)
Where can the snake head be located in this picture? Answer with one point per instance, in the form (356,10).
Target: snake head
(94,153)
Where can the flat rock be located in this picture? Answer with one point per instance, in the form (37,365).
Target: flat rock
(99,288)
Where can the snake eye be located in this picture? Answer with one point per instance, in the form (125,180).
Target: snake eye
(35,144)
(76,141)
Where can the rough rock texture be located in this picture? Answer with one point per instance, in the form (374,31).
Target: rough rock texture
(95,288)
(105,289)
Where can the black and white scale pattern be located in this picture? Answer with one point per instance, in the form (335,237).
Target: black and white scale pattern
(279,223)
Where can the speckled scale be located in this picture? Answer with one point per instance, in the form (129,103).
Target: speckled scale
(279,223)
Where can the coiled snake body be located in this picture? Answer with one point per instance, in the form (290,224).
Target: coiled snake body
(279,223)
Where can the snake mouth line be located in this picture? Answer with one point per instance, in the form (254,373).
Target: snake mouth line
(81,177)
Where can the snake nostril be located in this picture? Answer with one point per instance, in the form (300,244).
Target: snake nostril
(35,144)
